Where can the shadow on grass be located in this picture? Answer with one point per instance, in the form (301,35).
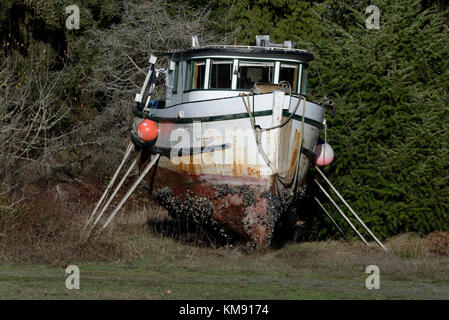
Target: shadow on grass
(187,232)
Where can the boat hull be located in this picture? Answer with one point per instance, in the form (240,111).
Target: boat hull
(227,187)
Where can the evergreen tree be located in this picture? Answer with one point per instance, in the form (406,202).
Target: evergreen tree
(391,131)
(281,19)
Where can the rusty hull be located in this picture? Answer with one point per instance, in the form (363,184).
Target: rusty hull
(238,209)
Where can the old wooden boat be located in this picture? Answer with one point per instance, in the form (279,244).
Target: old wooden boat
(236,136)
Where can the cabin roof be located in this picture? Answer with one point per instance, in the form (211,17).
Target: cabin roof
(241,52)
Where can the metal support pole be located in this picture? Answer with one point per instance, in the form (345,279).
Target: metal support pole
(150,93)
(140,95)
(142,91)
(350,209)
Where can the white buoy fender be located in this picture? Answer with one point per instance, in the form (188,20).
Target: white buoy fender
(324,154)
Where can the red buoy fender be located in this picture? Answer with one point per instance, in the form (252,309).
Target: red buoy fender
(147,130)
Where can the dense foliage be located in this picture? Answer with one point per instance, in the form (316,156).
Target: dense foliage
(391,86)
(391,132)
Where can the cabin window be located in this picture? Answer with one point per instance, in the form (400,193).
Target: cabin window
(187,82)
(289,72)
(175,78)
(195,74)
(305,72)
(169,79)
(199,72)
(220,74)
(251,72)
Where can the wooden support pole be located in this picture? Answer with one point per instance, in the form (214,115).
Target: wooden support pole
(350,209)
(111,183)
(136,183)
(115,191)
(335,223)
(341,212)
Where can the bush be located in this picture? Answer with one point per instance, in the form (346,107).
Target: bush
(437,243)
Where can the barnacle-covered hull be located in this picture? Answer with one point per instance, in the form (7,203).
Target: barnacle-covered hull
(238,210)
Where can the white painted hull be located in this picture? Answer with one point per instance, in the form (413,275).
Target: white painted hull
(203,122)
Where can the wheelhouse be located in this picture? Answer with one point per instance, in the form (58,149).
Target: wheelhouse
(217,72)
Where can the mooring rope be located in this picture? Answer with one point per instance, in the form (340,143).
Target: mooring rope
(257,131)
(292,184)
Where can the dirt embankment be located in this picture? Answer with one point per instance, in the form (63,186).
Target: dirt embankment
(46,225)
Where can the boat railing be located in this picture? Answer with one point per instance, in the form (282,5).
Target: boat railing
(230,46)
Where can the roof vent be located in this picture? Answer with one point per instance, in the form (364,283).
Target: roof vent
(290,44)
(262,40)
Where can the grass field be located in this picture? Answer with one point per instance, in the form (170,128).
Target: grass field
(327,270)
(134,261)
